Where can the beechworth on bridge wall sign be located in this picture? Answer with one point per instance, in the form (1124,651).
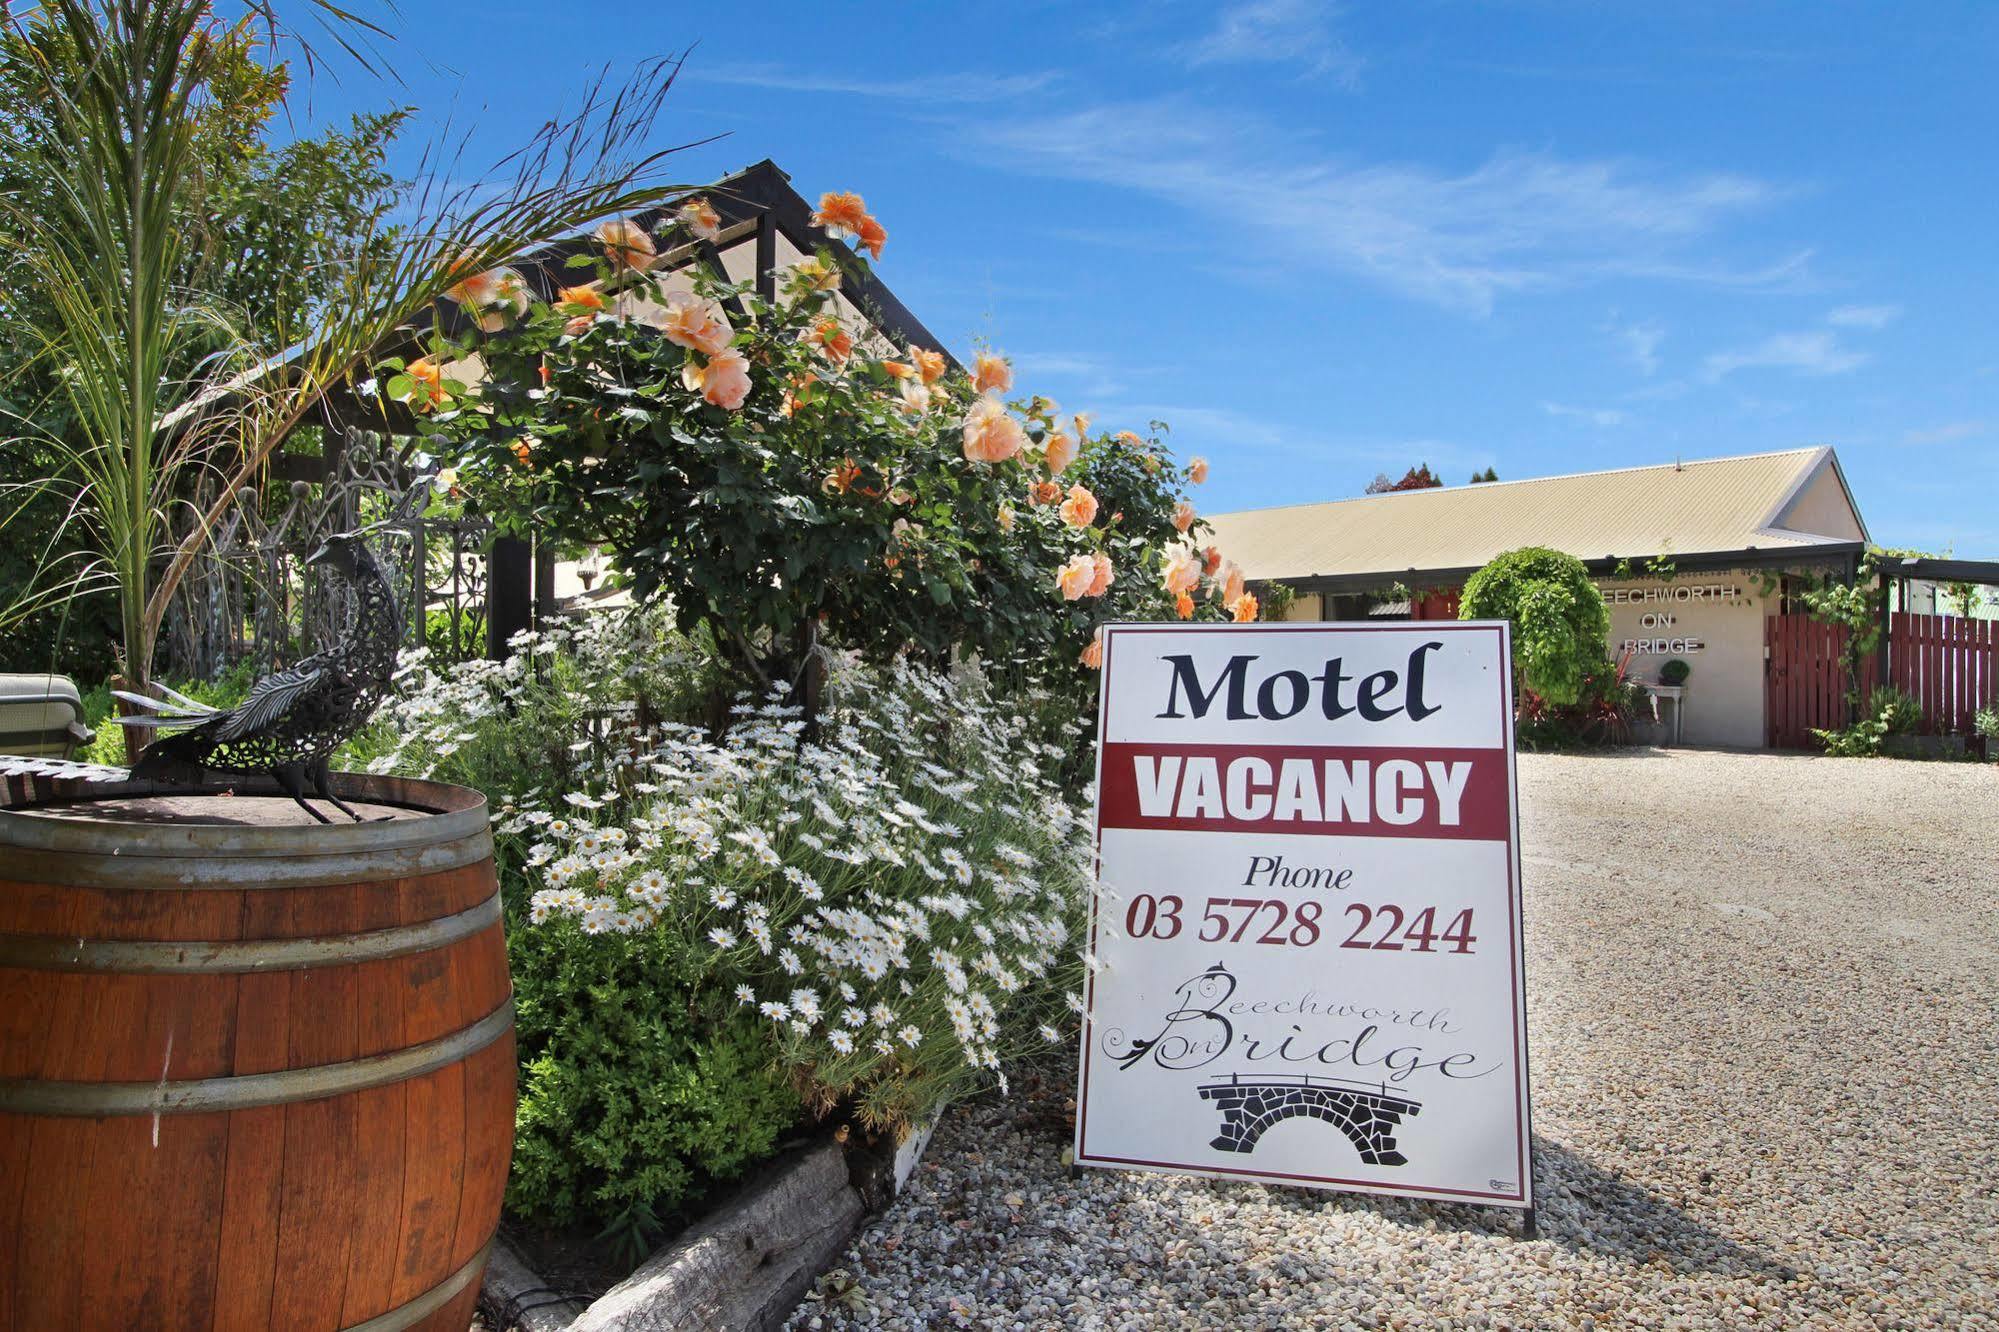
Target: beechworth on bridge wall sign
(1307,924)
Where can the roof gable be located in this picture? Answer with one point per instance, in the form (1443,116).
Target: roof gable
(1711,505)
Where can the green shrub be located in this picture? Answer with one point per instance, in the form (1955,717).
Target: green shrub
(1600,716)
(1987,721)
(639,1088)
(1560,622)
(1674,673)
(1896,709)
(1860,739)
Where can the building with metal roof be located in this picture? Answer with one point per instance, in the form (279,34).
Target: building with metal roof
(1762,510)
(1694,558)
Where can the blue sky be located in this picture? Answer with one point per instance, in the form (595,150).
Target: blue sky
(1324,242)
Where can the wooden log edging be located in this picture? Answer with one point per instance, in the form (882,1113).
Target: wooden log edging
(747,1265)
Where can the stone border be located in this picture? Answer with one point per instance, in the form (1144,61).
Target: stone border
(745,1266)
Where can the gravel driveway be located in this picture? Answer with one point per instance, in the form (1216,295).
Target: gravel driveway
(1764,1013)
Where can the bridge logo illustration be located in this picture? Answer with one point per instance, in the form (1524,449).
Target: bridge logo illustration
(1366,1112)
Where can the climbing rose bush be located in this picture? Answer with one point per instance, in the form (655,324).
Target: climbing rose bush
(782,476)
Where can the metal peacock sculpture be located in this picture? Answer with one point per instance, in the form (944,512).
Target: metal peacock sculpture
(290,722)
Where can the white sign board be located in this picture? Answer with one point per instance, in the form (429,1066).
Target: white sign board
(1307,926)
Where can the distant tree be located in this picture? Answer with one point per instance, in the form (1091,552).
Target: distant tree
(1416,478)
(1489,474)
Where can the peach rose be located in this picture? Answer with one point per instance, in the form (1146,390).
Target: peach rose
(1182,570)
(474,288)
(1101,581)
(898,369)
(1073,579)
(815,274)
(1129,437)
(842,478)
(1211,560)
(626,244)
(699,216)
(581,298)
(1197,471)
(840,213)
(1232,588)
(426,383)
(693,322)
(832,339)
(578,326)
(1093,655)
(1244,608)
(1043,492)
(1183,606)
(929,364)
(1005,517)
(724,381)
(523,451)
(1061,452)
(991,374)
(990,434)
(1082,423)
(915,397)
(1080,509)
(1183,516)
(872,237)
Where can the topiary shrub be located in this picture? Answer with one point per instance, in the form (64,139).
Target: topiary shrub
(1560,622)
(1674,673)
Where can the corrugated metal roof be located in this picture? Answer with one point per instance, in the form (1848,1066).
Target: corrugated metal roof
(1718,504)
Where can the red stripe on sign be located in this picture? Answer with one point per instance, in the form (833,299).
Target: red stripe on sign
(1332,791)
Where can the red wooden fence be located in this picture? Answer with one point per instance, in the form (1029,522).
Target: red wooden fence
(1949,664)
(1804,682)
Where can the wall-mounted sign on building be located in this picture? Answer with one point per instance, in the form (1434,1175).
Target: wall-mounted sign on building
(1307,923)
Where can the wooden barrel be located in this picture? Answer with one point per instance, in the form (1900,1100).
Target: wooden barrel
(255,1072)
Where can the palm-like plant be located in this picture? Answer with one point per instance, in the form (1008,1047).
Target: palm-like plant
(100,246)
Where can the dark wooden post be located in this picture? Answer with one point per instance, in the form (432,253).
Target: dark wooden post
(509,593)
(1887,626)
(766,255)
(544,583)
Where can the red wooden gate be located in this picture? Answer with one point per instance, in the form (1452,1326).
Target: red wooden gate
(1949,664)
(1804,680)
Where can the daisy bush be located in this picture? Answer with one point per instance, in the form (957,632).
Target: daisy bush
(897,899)
(862,917)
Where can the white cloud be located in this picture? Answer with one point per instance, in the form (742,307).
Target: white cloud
(1816,353)
(1641,344)
(1085,375)
(1519,221)
(1604,417)
(1947,434)
(1276,32)
(955,87)
(1864,316)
